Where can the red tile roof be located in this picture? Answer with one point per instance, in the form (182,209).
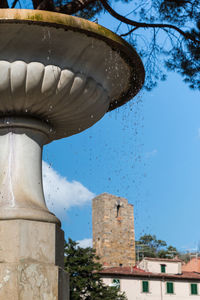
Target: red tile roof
(193,265)
(136,272)
(162,259)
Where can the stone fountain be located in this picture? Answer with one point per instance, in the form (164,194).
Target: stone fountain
(58,76)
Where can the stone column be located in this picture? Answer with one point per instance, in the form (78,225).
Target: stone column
(31,241)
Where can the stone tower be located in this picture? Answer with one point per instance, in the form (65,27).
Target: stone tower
(113,230)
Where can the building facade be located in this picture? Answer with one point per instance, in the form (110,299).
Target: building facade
(155,280)
(113,230)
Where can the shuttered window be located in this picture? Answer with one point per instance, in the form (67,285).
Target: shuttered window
(170,288)
(194,289)
(163,268)
(145,286)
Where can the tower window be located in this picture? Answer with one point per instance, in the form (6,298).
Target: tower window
(118,210)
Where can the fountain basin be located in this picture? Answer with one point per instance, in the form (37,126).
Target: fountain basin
(63,70)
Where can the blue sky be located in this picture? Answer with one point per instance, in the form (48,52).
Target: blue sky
(147,151)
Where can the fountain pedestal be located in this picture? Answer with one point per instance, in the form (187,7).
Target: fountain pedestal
(21,189)
(31,256)
(31,241)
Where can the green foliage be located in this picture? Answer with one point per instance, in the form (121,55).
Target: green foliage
(186,60)
(85,281)
(185,257)
(178,11)
(89,12)
(149,246)
(164,48)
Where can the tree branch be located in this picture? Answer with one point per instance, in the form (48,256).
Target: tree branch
(4,4)
(44,5)
(74,6)
(69,8)
(129,32)
(36,3)
(125,20)
(14,3)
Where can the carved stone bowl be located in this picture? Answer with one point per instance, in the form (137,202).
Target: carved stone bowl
(65,71)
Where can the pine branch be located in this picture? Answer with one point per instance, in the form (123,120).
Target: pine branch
(36,3)
(44,5)
(73,6)
(4,4)
(125,20)
(14,3)
(129,32)
(69,8)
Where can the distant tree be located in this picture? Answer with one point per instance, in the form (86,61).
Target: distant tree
(166,33)
(185,256)
(149,246)
(85,280)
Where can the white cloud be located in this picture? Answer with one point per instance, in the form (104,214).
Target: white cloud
(60,194)
(151,153)
(85,243)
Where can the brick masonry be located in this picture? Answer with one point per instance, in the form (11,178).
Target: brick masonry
(113,230)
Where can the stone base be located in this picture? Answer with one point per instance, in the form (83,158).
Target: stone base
(25,240)
(33,281)
(32,261)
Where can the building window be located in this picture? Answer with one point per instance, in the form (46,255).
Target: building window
(163,268)
(116,283)
(145,286)
(193,288)
(170,288)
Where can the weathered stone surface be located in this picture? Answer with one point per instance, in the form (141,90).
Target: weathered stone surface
(31,261)
(24,240)
(32,281)
(113,230)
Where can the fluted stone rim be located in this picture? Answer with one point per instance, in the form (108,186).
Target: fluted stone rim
(57,20)
(24,83)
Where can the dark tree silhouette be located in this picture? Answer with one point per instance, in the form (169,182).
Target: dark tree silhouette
(85,280)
